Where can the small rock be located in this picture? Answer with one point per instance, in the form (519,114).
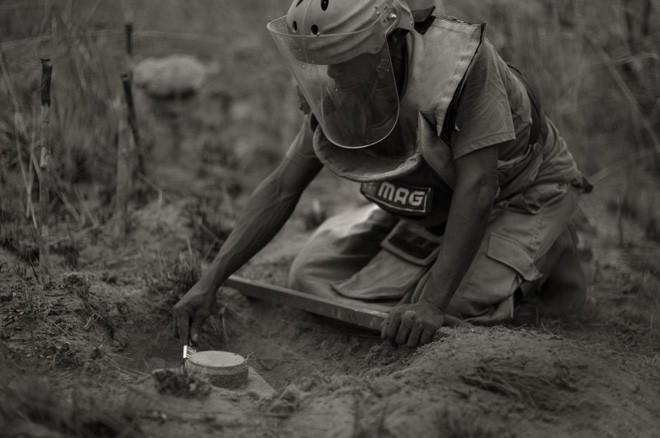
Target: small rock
(96,353)
(287,402)
(306,384)
(253,394)
(173,381)
(5,296)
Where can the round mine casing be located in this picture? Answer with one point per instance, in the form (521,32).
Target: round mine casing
(220,368)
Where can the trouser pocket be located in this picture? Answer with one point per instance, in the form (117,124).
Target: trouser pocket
(486,292)
(405,256)
(512,254)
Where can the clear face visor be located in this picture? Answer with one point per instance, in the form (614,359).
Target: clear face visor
(347,79)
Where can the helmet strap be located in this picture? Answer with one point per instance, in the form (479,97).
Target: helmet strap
(399,56)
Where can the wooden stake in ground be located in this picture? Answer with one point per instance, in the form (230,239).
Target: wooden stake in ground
(127,82)
(128,34)
(44,165)
(125,166)
(128,92)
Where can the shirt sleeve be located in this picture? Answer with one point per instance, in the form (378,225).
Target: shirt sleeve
(483,116)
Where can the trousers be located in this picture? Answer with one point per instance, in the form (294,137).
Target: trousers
(509,258)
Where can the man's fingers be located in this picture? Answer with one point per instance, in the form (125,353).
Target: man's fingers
(415,333)
(427,336)
(391,325)
(407,320)
(196,326)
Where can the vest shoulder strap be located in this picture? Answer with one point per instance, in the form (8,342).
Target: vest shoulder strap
(450,119)
(539,127)
(539,124)
(449,123)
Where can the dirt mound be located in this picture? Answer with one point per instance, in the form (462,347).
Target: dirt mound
(525,382)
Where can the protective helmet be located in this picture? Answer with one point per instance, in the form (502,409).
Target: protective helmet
(337,51)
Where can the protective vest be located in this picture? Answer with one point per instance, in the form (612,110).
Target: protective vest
(438,61)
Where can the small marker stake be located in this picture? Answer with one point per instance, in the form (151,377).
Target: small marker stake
(44,165)
(128,35)
(188,351)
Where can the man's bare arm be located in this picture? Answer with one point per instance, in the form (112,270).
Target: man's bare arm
(476,187)
(267,210)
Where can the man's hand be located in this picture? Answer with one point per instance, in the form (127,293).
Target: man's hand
(190,313)
(412,324)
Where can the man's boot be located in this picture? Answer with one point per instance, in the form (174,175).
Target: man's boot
(563,291)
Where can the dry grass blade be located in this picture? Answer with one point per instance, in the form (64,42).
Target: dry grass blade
(540,391)
(20,131)
(614,169)
(630,98)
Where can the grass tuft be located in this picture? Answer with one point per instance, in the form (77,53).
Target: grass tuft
(170,280)
(211,221)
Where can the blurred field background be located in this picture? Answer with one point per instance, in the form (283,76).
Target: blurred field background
(596,64)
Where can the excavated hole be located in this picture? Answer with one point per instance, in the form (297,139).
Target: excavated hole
(282,344)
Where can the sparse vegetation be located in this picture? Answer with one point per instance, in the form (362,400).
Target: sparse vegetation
(170,280)
(211,222)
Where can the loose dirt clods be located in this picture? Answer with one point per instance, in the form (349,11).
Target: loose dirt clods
(176,382)
(286,402)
